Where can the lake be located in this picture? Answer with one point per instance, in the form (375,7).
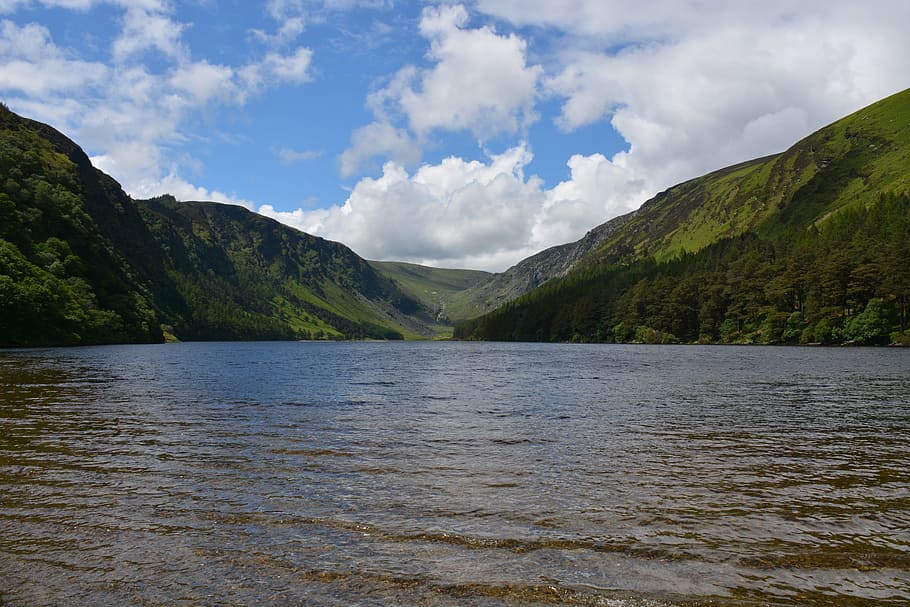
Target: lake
(454,474)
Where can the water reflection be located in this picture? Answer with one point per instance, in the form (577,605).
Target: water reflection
(454,474)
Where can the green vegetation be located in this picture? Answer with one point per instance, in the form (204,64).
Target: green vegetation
(82,263)
(232,274)
(810,246)
(436,288)
(60,281)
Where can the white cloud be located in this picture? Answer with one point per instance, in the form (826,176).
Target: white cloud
(597,188)
(275,69)
(446,212)
(692,90)
(479,82)
(137,159)
(460,213)
(129,114)
(28,51)
(279,10)
(291,17)
(289,68)
(148,27)
(204,82)
(343,5)
(289,156)
(609,23)
(379,139)
(702,102)
(9,6)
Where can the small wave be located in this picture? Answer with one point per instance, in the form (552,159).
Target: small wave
(517,545)
(313,452)
(511,441)
(548,592)
(864,561)
(377,382)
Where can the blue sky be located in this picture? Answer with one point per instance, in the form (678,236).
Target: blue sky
(467,134)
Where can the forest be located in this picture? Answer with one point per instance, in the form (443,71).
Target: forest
(60,281)
(805,247)
(844,281)
(83,263)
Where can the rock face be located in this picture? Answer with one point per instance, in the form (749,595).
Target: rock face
(530,273)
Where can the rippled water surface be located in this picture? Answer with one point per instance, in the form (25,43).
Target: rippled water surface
(454,474)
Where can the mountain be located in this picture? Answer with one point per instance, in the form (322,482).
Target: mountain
(528,274)
(83,263)
(438,289)
(805,246)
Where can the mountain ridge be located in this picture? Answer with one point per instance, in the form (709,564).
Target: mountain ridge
(83,263)
(852,172)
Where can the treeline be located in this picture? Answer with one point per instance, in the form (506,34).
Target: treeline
(846,280)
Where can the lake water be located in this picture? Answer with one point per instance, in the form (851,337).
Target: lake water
(454,474)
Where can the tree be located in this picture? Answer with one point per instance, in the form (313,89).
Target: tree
(872,326)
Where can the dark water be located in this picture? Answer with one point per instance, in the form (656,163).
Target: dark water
(454,474)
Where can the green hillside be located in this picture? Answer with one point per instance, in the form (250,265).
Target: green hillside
(82,263)
(437,289)
(239,275)
(807,246)
(61,281)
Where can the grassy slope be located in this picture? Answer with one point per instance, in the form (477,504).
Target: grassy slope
(436,288)
(840,169)
(234,262)
(848,162)
(81,262)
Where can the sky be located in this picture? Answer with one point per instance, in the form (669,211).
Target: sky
(466,135)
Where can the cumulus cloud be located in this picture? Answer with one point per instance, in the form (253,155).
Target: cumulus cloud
(479,81)
(148,27)
(9,6)
(293,67)
(205,82)
(478,214)
(694,90)
(29,50)
(127,111)
(379,139)
(689,90)
(598,187)
(612,23)
(291,17)
(441,212)
(278,66)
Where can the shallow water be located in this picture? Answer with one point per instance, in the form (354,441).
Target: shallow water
(454,474)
